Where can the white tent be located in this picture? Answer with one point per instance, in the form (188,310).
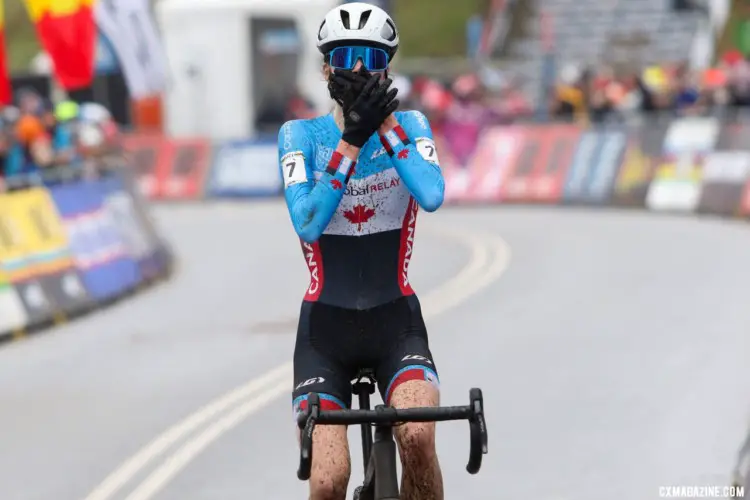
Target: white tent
(230,58)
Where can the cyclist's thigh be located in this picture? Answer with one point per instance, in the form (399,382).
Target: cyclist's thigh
(409,358)
(316,368)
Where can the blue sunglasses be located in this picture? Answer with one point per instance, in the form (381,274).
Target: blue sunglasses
(346,58)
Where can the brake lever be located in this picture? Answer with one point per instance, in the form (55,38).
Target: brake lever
(306,439)
(478,431)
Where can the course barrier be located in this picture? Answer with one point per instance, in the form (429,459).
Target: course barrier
(73,245)
(697,164)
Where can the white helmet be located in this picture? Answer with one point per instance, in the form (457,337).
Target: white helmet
(358,22)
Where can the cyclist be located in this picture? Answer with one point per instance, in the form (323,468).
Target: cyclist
(354,181)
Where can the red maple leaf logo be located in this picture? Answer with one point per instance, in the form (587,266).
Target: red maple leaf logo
(358,215)
(336,184)
(403,154)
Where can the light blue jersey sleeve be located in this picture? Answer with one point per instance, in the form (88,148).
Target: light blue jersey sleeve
(417,161)
(311,202)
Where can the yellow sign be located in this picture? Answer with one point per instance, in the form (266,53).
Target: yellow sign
(635,170)
(683,168)
(32,238)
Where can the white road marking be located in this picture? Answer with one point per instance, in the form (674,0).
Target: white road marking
(485,248)
(173,464)
(155,448)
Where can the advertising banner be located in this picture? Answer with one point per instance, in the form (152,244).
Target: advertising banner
(38,307)
(51,284)
(183,172)
(641,158)
(496,151)
(159,257)
(16,265)
(542,164)
(97,248)
(725,174)
(517,187)
(120,206)
(734,137)
(604,173)
(581,166)
(12,312)
(548,178)
(595,166)
(676,187)
(245,168)
(696,134)
(634,177)
(145,152)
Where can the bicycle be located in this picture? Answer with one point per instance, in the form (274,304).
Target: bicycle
(381,481)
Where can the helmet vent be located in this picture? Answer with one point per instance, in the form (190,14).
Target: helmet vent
(345,18)
(323,30)
(389,31)
(364,18)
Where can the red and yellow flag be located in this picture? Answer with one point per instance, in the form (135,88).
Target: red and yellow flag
(67,32)
(5,91)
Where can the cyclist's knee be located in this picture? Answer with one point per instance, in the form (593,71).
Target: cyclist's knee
(329,475)
(416,439)
(331,467)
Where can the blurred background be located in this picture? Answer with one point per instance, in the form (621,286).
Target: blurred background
(640,103)
(157,71)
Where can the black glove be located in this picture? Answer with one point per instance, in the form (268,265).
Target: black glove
(345,86)
(368,112)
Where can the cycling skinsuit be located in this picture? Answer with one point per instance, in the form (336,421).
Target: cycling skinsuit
(356,224)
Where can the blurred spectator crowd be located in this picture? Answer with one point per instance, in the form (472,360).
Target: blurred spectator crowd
(603,94)
(585,95)
(39,139)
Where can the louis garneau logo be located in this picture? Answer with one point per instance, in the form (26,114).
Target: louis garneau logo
(310,381)
(416,357)
(379,152)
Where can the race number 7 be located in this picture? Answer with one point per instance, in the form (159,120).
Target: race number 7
(293,174)
(426,148)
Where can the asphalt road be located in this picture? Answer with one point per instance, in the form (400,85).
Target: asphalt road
(610,353)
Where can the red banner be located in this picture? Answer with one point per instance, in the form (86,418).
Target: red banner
(548,178)
(168,168)
(538,174)
(67,32)
(498,150)
(483,177)
(145,152)
(185,168)
(517,187)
